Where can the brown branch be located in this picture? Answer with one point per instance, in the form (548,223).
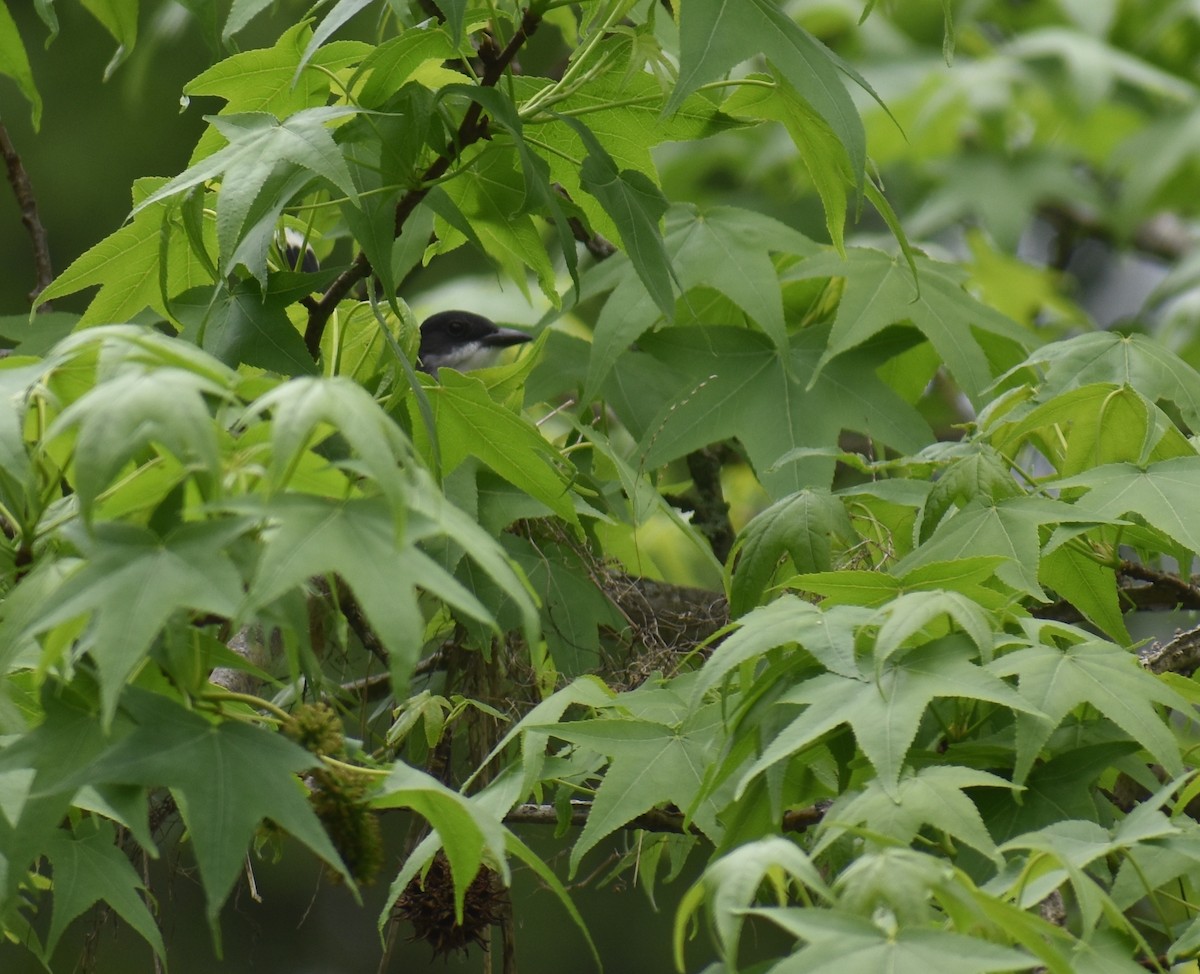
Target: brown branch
(471,129)
(18,178)
(1180,655)
(655,820)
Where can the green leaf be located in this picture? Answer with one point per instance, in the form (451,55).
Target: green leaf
(1008,528)
(1137,361)
(226,778)
(636,206)
(357,540)
(801,526)
(490,193)
(132,582)
(159,409)
(1088,585)
(885,712)
(470,423)
(731,884)
(726,382)
(650,764)
(305,411)
(392,64)
(342,11)
(827,636)
(258,143)
(241,325)
(265,80)
(716,35)
(931,796)
(14,64)
(1055,681)
(128,267)
(879,293)
(90,867)
(1162,494)
(842,943)
(465,833)
(717,247)
(876,589)
(824,155)
(119,18)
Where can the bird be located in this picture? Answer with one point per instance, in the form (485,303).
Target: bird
(463,340)
(460,340)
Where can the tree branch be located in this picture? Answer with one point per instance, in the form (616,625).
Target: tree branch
(472,128)
(18,178)
(655,820)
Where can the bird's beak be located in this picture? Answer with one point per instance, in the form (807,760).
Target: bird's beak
(504,337)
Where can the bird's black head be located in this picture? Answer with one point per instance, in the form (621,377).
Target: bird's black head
(463,340)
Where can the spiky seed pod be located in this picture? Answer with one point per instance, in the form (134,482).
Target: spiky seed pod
(316,727)
(339,801)
(429,906)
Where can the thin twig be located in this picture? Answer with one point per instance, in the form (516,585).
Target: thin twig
(472,128)
(18,178)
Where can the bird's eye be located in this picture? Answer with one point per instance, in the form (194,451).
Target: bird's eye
(455,327)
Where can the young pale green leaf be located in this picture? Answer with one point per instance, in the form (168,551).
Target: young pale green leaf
(305,411)
(931,796)
(390,65)
(884,713)
(801,526)
(227,777)
(1055,681)
(258,144)
(1162,494)
(265,80)
(128,265)
(1094,425)
(880,293)
(90,867)
(716,35)
(732,883)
